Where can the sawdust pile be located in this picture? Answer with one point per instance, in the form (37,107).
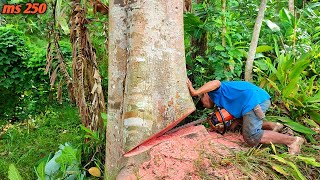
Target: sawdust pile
(193,153)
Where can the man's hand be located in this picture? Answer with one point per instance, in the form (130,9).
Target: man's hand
(207,87)
(191,89)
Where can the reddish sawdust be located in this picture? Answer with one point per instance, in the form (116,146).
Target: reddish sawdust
(192,153)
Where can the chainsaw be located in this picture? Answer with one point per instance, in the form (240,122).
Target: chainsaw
(222,116)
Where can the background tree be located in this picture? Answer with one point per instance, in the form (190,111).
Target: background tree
(254,41)
(291,6)
(147,92)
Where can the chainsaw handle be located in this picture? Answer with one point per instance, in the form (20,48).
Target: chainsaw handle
(213,121)
(223,121)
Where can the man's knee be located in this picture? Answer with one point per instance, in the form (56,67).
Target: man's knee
(252,139)
(252,128)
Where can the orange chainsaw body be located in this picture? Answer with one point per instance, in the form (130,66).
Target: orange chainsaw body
(226,115)
(221,116)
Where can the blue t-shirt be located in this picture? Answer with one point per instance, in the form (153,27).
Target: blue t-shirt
(238,97)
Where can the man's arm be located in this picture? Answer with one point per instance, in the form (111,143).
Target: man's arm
(209,86)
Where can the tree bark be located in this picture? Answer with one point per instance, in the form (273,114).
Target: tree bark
(291,6)
(254,41)
(147,92)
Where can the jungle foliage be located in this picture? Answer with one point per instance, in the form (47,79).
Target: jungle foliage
(286,61)
(287,65)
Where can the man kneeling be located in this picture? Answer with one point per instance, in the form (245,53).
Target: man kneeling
(244,99)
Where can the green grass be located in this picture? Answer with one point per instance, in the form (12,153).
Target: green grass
(27,142)
(264,162)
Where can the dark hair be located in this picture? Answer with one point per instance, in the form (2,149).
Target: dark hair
(199,104)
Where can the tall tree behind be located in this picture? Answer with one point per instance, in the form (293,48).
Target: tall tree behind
(85,72)
(254,41)
(291,6)
(147,91)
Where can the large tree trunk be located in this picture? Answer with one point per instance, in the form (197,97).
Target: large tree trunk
(147,92)
(254,41)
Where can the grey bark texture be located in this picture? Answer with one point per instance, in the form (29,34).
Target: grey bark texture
(147,77)
(291,6)
(254,41)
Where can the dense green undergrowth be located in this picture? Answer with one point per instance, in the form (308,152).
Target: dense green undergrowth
(25,143)
(287,65)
